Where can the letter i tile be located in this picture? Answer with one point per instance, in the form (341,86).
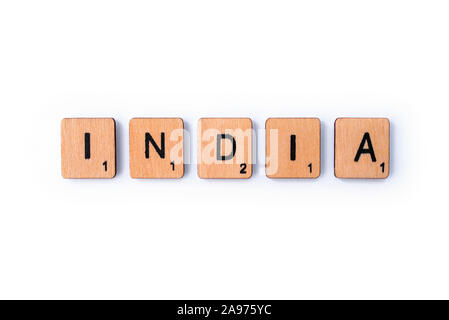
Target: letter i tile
(88,148)
(293,147)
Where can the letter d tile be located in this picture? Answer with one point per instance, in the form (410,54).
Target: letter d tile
(224,148)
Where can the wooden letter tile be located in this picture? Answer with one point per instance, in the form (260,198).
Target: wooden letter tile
(224,148)
(156,147)
(293,147)
(362,148)
(88,148)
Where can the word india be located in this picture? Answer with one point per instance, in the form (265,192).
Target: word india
(157,148)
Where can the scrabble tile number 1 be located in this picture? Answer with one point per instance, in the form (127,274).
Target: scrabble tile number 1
(362,148)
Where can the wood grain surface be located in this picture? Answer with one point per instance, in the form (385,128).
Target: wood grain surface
(293,147)
(362,148)
(234,135)
(152,161)
(88,148)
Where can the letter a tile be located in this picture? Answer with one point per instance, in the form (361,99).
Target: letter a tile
(293,147)
(156,148)
(224,148)
(362,148)
(88,148)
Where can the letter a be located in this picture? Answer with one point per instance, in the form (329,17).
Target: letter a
(366,139)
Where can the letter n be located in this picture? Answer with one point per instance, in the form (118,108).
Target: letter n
(160,151)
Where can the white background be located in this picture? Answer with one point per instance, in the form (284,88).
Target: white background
(192,238)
